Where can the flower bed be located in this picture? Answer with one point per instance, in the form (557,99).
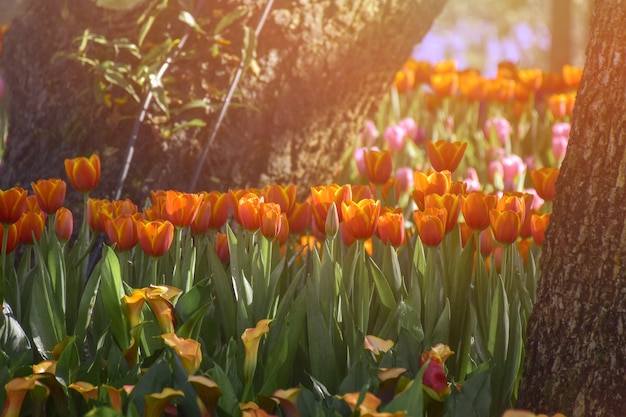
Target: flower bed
(395,291)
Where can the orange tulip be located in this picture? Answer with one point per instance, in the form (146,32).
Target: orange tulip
(360,218)
(445,84)
(361,191)
(422,70)
(444,155)
(538,225)
(572,75)
(544,181)
(94,207)
(321,198)
(300,217)
(119,207)
(531,78)
(63,224)
(248,208)
(12,204)
(122,231)
(187,350)
(379,165)
(404,80)
(432,182)
(391,228)
(270,216)
(557,103)
(448,201)
(466,233)
(283,195)
(505,225)
(475,208)
(283,231)
(31,226)
(50,194)
(221,247)
(155,237)
(83,173)
(219,208)
(431,225)
(181,208)
(13,236)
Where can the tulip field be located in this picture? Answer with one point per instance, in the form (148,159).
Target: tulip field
(401,289)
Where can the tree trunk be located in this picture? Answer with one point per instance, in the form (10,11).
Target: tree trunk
(576,345)
(324,65)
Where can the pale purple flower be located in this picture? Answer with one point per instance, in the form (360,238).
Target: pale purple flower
(471,180)
(394,136)
(513,168)
(405,178)
(496,173)
(359,158)
(560,139)
(537,202)
(369,134)
(561,129)
(416,133)
(501,127)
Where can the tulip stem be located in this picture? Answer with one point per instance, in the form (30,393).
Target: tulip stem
(177,259)
(3,258)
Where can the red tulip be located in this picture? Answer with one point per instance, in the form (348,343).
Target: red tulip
(379,165)
(50,194)
(83,173)
(360,218)
(181,208)
(63,224)
(12,204)
(505,225)
(391,228)
(538,225)
(122,231)
(271,220)
(31,226)
(155,237)
(544,180)
(431,225)
(475,208)
(444,155)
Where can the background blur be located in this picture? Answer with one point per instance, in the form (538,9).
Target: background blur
(480,33)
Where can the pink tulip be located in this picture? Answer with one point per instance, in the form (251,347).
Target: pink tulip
(502,128)
(369,134)
(394,137)
(405,178)
(513,168)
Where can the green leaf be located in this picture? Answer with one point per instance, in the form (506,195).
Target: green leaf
(112,292)
(229,18)
(381,282)
(411,399)
(86,307)
(474,399)
(69,361)
(190,329)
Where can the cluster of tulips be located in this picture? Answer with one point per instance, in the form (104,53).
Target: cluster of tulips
(218,302)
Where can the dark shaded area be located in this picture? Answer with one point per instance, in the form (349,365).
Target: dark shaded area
(324,66)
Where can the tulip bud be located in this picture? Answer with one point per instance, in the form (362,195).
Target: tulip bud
(332,222)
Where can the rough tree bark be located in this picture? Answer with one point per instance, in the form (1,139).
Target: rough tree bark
(324,65)
(576,345)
